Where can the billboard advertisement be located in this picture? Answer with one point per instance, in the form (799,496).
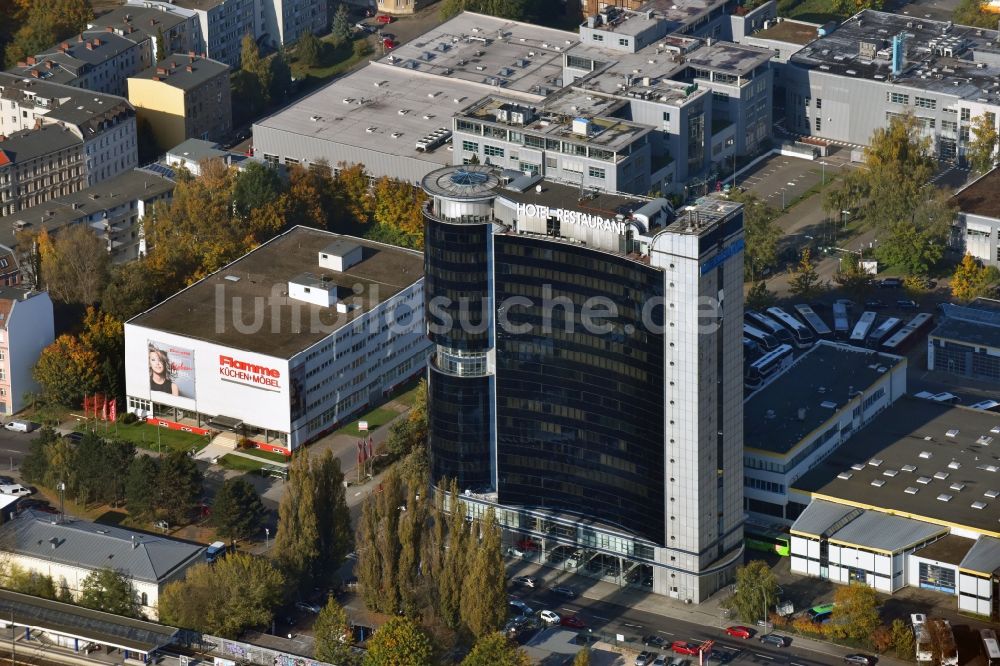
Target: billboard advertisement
(171,373)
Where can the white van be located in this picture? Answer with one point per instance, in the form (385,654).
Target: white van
(19,426)
(16,489)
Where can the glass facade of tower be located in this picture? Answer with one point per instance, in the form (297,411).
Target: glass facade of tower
(456,284)
(580,413)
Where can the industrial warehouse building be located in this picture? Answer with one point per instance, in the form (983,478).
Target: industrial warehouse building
(910,501)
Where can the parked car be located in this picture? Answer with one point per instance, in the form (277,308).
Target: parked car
(645,658)
(528,544)
(74,437)
(527,581)
(739,632)
(891,283)
(565,592)
(985,405)
(859,659)
(661,660)
(774,639)
(549,617)
(384,19)
(519,607)
(949,398)
(653,640)
(17,425)
(16,489)
(162,524)
(846,302)
(365,27)
(307,607)
(907,304)
(7,481)
(683,647)
(875,304)
(515,552)
(573,621)
(389,44)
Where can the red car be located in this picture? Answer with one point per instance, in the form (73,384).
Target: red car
(528,544)
(384,19)
(388,44)
(683,647)
(739,632)
(572,621)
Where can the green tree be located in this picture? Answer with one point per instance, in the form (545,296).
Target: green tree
(35,464)
(982,148)
(133,288)
(856,613)
(141,488)
(399,642)
(66,371)
(340,30)
(279,76)
(43,23)
(308,49)
(237,509)
(256,185)
(484,588)
(335,537)
(110,591)
(759,296)
(333,635)
(852,278)
(362,47)
(495,649)
(161,44)
(296,544)
(760,233)
(805,281)
(369,565)
(972,280)
(917,240)
(236,593)
(388,548)
(970,12)
(412,524)
(179,486)
(582,657)
(75,265)
(756,592)
(456,560)
(30,582)
(902,640)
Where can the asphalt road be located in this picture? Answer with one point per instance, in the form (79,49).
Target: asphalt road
(609,619)
(13,447)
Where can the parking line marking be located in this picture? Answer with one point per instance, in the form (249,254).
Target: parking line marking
(665,632)
(763,656)
(598,617)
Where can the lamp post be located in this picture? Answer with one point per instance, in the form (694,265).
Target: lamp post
(267,538)
(783,198)
(823,164)
(844,214)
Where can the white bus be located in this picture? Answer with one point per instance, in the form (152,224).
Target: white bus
(882,332)
(768,366)
(841,325)
(991,649)
(766,341)
(765,323)
(804,337)
(814,321)
(862,328)
(907,336)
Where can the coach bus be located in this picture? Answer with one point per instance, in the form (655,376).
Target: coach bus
(841,325)
(765,323)
(815,322)
(863,327)
(803,335)
(909,335)
(768,366)
(882,331)
(766,341)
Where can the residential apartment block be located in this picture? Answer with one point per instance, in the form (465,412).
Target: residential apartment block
(114,209)
(39,165)
(223,23)
(26,328)
(184,97)
(104,123)
(875,66)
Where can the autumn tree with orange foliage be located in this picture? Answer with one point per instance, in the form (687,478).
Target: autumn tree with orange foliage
(67,370)
(354,202)
(75,264)
(399,210)
(37,25)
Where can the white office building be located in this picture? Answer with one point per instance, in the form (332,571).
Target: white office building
(282,345)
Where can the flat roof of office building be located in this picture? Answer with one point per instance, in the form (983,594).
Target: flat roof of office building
(921,460)
(982,197)
(955,60)
(738,59)
(556,195)
(263,274)
(778,416)
(490,51)
(792,32)
(677,13)
(381,108)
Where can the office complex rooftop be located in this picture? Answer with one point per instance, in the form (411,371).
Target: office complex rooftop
(919,459)
(793,32)
(951,59)
(263,276)
(822,381)
(490,51)
(976,324)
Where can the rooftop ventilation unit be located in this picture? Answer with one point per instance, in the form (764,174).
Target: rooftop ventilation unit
(875,462)
(943,497)
(941,476)
(910,490)
(957,487)
(952,433)
(926,455)
(978,505)
(992,494)
(923,480)
(985,440)
(844,475)
(954,464)
(857,467)
(890,473)
(909,468)
(878,483)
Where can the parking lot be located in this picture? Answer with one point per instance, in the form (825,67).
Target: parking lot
(781,180)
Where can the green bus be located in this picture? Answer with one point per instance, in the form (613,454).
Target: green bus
(768,541)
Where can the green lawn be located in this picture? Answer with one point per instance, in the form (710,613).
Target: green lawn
(813,11)
(266,455)
(144,436)
(376,418)
(337,61)
(406,395)
(229,461)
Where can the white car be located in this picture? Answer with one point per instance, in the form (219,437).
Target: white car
(985,405)
(938,397)
(549,617)
(16,489)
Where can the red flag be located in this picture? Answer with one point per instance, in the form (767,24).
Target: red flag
(86,406)
(113,412)
(104,410)
(371,447)
(360,454)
